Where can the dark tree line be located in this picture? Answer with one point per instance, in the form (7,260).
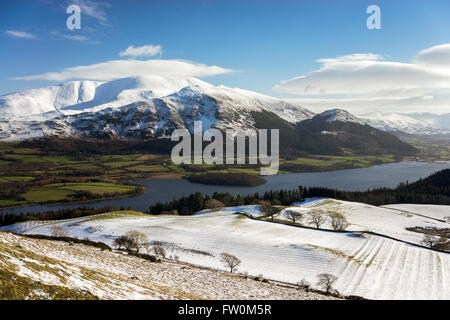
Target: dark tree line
(196,201)
(61,214)
(432,190)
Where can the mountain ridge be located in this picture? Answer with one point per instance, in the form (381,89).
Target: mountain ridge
(151,107)
(414,123)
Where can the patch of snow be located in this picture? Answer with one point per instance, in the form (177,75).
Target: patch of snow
(340,115)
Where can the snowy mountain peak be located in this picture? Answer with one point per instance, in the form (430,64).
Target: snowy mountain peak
(135,107)
(422,124)
(47,99)
(340,115)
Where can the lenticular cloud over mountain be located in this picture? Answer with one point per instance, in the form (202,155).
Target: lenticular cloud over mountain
(115,69)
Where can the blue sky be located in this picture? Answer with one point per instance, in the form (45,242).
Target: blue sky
(264,42)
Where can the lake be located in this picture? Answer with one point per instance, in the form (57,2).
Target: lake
(387,175)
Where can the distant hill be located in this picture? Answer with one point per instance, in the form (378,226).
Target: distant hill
(333,132)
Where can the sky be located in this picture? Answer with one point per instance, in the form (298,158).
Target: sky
(319,54)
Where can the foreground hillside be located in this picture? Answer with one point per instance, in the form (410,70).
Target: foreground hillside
(387,264)
(43,269)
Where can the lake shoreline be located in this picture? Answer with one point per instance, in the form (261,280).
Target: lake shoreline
(387,175)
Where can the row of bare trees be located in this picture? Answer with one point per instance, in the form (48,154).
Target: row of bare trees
(433,241)
(325,282)
(316,217)
(136,241)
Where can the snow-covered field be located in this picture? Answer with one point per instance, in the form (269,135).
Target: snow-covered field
(426,210)
(83,271)
(383,220)
(367,265)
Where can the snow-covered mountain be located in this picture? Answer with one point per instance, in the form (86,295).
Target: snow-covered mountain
(416,123)
(339,115)
(42,100)
(144,108)
(134,108)
(337,132)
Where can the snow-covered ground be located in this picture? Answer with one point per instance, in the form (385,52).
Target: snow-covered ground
(371,266)
(113,275)
(383,220)
(426,210)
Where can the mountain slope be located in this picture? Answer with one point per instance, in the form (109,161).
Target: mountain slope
(148,108)
(135,108)
(420,124)
(48,99)
(339,132)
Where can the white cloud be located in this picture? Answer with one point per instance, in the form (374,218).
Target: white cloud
(351,58)
(434,103)
(435,57)
(349,75)
(92,9)
(144,51)
(366,81)
(125,68)
(74,37)
(20,34)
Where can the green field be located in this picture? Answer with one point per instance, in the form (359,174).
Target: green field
(46,194)
(63,191)
(431,149)
(32,176)
(149,168)
(115,215)
(15,178)
(325,163)
(12,202)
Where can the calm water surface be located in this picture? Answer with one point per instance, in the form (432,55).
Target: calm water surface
(387,175)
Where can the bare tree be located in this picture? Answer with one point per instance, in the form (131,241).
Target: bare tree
(326,281)
(135,240)
(268,210)
(230,261)
(304,284)
(59,231)
(159,251)
(316,217)
(431,241)
(148,247)
(120,242)
(213,204)
(292,215)
(338,221)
